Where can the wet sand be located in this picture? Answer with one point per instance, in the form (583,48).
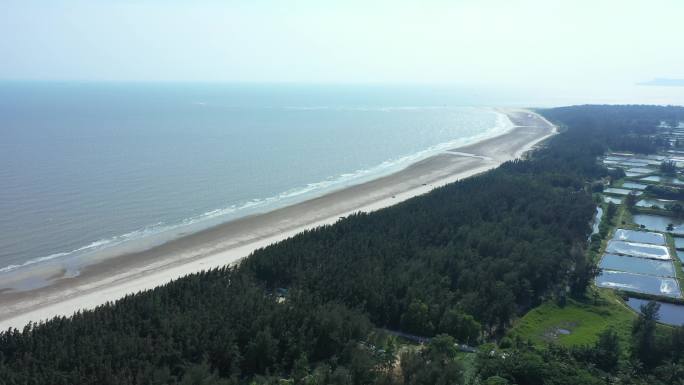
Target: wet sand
(227,243)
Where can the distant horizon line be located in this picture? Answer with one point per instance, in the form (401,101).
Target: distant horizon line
(250,82)
(654,82)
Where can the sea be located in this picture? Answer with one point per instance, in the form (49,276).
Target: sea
(93,168)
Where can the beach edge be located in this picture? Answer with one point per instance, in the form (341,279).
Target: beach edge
(118,277)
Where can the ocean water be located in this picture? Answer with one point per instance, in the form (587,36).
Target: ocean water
(87,168)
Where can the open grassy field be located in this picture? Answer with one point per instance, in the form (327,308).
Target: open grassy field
(576,323)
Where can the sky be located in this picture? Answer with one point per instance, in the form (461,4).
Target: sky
(565,44)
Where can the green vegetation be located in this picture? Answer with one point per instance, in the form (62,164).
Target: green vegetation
(668,168)
(679,271)
(460,264)
(583,320)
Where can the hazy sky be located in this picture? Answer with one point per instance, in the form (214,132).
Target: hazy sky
(557,43)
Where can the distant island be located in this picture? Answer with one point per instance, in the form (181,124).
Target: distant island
(559,266)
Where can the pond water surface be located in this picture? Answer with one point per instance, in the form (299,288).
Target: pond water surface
(613,200)
(620,191)
(632,185)
(647,284)
(628,163)
(637,265)
(670,314)
(659,223)
(680,255)
(662,179)
(679,243)
(649,203)
(641,170)
(642,250)
(639,236)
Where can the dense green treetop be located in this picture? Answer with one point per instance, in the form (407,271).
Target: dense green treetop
(458,264)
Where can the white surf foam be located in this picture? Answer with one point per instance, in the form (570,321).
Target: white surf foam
(311,190)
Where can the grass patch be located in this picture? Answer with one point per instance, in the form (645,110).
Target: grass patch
(583,320)
(625,219)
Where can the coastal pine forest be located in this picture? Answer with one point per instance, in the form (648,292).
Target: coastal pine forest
(435,290)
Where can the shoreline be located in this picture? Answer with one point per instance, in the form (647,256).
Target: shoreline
(228,243)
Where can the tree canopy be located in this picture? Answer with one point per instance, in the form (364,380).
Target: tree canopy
(458,264)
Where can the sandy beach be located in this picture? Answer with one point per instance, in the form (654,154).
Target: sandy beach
(227,243)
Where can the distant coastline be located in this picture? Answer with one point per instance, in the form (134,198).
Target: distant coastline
(111,279)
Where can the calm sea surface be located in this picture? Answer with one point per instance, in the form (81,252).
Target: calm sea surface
(88,167)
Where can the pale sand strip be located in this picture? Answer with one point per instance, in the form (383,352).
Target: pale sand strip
(228,243)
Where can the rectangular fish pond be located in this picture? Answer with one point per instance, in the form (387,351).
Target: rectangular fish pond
(637,265)
(679,243)
(662,179)
(628,163)
(642,250)
(632,161)
(658,203)
(639,236)
(612,200)
(670,313)
(659,223)
(620,191)
(641,170)
(639,283)
(635,186)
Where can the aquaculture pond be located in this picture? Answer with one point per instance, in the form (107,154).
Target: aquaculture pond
(635,186)
(659,223)
(639,236)
(679,243)
(680,255)
(647,284)
(637,265)
(632,161)
(662,179)
(670,314)
(620,191)
(642,250)
(641,170)
(627,163)
(649,203)
(611,161)
(613,200)
(613,158)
